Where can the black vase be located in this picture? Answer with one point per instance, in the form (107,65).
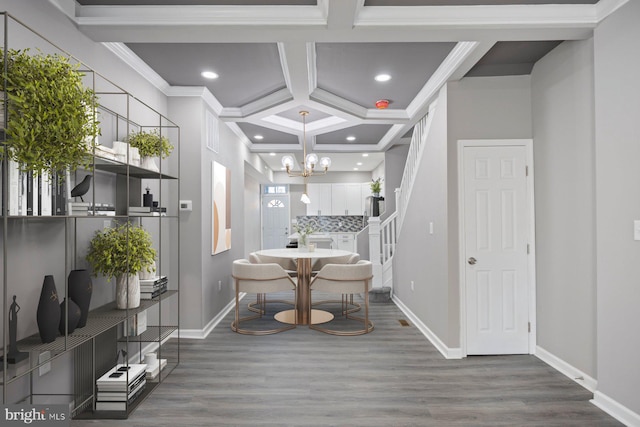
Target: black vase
(80,289)
(73,316)
(48,314)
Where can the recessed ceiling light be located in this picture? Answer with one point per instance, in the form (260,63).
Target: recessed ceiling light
(272,154)
(351,138)
(359,163)
(355,169)
(382,77)
(258,137)
(209,75)
(365,155)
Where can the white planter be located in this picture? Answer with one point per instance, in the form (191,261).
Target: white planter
(149,163)
(127,291)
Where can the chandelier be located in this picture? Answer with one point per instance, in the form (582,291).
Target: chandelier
(310,160)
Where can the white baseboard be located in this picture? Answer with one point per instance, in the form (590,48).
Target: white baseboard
(568,370)
(448,353)
(620,412)
(200,334)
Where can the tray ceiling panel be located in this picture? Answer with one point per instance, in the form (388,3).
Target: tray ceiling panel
(470,2)
(198,2)
(294,114)
(269,136)
(511,58)
(364,134)
(348,70)
(247,71)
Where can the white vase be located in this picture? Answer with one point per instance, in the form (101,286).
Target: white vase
(127,291)
(149,163)
(120,150)
(134,156)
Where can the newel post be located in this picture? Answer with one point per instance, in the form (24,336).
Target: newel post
(375,248)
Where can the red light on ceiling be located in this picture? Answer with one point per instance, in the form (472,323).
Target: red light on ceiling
(381,104)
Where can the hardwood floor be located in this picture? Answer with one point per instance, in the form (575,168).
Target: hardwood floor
(390,377)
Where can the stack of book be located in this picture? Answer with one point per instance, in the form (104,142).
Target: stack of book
(34,194)
(116,389)
(151,288)
(79,208)
(102,209)
(147,211)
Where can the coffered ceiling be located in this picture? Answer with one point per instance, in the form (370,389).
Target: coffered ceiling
(274,58)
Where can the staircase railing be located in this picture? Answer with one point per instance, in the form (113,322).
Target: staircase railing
(383,236)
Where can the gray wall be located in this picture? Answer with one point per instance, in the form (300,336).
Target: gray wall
(252,220)
(421,257)
(473,108)
(562,100)
(479,108)
(617,112)
(205,278)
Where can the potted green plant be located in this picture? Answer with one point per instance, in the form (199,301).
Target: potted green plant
(122,252)
(376,186)
(150,144)
(51,123)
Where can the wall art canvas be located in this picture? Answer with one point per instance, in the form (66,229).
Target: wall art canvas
(221,186)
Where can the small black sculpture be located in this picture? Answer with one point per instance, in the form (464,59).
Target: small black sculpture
(82,188)
(14,355)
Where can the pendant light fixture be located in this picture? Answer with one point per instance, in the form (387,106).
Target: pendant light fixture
(308,167)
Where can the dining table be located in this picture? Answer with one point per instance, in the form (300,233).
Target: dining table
(304,314)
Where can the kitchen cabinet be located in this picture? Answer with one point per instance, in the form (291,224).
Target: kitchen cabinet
(344,241)
(346,199)
(320,195)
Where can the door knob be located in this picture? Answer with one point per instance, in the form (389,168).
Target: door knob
(472,261)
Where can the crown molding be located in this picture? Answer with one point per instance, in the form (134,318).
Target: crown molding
(138,65)
(489,16)
(339,103)
(174,15)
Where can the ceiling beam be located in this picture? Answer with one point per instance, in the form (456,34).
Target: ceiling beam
(296,59)
(343,13)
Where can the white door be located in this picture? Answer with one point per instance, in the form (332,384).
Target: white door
(275,221)
(496,234)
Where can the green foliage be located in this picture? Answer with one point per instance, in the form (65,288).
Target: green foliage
(50,122)
(376,185)
(126,248)
(150,144)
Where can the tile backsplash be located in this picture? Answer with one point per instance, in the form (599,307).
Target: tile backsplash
(334,223)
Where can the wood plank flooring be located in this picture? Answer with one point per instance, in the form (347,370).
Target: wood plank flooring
(390,377)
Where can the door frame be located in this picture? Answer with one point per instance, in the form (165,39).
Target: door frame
(262,197)
(531,262)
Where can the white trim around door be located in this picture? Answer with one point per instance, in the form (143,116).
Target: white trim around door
(531,294)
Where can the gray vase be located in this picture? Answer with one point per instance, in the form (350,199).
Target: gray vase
(48,314)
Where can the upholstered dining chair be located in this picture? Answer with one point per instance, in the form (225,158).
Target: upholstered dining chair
(343,259)
(289,266)
(259,279)
(353,258)
(346,279)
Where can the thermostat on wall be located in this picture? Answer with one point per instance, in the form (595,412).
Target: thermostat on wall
(186,205)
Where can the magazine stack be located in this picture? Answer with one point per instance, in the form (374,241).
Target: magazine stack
(151,288)
(116,389)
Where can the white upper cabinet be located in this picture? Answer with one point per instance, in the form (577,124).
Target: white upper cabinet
(320,195)
(346,199)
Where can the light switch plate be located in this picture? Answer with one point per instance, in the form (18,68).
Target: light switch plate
(186,205)
(636,229)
